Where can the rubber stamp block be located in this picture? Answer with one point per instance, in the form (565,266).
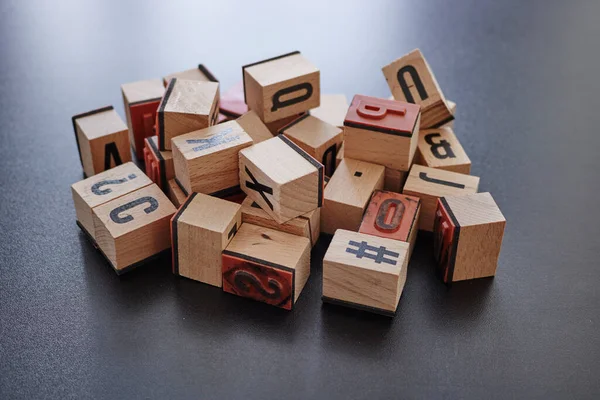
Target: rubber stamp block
(348,193)
(281,86)
(200,231)
(307,225)
(159,164)
(429,184)
(206,161)
(176,195)
(102,140)
(468,233)
(394,180)
(281,178)
(102,188)
(254,127)
(266,265)
(275,126)
(332,110)
(194,74)
(410,79)
(316,137)
(452,107)
(340,156)
(134,227)
(365,272)
(232,102)
(439,148)
(186,106)
(393,216)
(381,131)
(141,100)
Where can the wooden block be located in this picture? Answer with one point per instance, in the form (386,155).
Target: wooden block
(194,74)
(206,160)
(200,231)
(232,102)
(316,137)
(266,265)
(452,107)
(102,140)
(176,195)
(429,184)
(102,188)
(275,126)
(281,178)
(340,156)
(186,106)
(439,148)
(347,194)
(410,79)
(159,164)
(254,127)
(332,110)
(381,131)
(281,86)
(307,225)
(394,180)
(141,100)
(393,216)
(134,227)
(467,237)
(365,272)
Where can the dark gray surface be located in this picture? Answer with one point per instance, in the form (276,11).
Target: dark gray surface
(525,77)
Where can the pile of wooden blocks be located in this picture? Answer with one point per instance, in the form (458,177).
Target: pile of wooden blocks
(239,186)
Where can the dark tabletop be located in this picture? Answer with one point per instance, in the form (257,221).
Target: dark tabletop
(525,77)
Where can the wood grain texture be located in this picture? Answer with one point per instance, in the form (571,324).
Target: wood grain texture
(275,126)
(394,180)
(332,110)
(254,127)
(429,184)
(365,271)
(347,194)
(439,148)
(175,193)
(192,74)
(159,163)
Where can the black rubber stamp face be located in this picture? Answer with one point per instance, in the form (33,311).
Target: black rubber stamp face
(423,176)
(215,140)
(417,83)
(436,147)
(122,219)
(378,254)
(279,103)
(259,187)
(96,188)
(111,151)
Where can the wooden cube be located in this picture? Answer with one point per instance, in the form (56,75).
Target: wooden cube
(200,231)
(467,237)
(307,225)
(232,103)
(393,216)
(194,74)
(206,160)
(186,106)
(452,107)
(275,126)
(410,79)
(332,110)
(340,156)
(266,265)
(281,86)
(159,164)
(133,228)
(439,148)
(347,194)
(102,140)
(429,184)
(381,131)
(281,178)
(141,100)
(254,127)
(365,272)
(102,188)
(394,180)
(175,193)
(316,137)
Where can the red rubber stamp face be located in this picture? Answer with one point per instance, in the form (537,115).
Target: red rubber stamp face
(258,282)
(382,114)
(143,116)
(152,165)
(445,233)
(390,215)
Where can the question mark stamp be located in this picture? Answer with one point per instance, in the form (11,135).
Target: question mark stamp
(97,187)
